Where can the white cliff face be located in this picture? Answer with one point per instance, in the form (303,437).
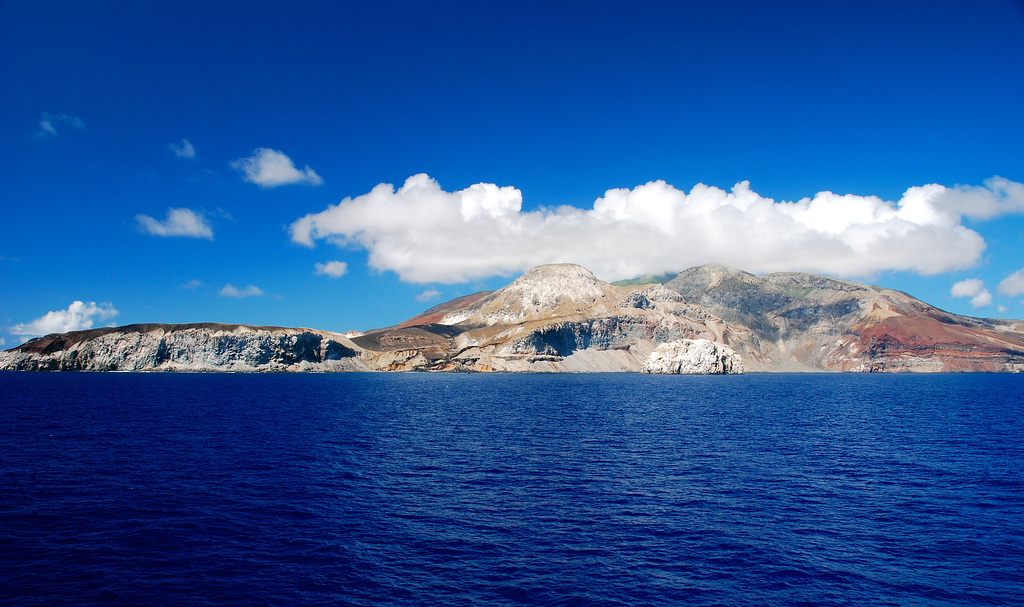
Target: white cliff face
(189,348)
(693,357)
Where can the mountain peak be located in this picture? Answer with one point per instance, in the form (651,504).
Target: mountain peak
(545,291)
(567,270)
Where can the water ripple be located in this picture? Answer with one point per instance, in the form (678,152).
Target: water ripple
(559,490)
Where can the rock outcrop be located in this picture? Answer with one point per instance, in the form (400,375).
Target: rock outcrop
(560,318)
(693,357)
(197,347)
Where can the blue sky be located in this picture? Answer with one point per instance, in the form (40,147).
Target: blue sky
(190,162)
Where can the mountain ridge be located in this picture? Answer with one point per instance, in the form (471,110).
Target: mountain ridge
(561,318)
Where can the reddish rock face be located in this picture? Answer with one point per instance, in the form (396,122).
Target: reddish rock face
(435,314)
(892,342)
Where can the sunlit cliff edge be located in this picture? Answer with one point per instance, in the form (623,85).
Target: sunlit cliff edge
(560,318)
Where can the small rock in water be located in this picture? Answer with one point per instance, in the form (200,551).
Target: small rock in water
(693,357)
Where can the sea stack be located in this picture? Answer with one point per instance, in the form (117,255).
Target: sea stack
(693,357)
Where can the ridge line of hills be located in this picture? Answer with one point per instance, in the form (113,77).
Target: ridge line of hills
(561,318)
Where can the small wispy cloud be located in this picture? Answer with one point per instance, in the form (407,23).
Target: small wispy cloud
(428,295)
(334,269)
(269,168)
(975,289)
(192,285)
(1013,284)
(185,149)
(231,290)
(49,124)
(79,316)
(180,222)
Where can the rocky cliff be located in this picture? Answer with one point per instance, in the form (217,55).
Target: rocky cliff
(560,317)
(196,347)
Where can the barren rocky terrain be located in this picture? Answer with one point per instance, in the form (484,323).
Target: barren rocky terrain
(561,318)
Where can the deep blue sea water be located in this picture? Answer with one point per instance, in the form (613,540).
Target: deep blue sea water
(415,489)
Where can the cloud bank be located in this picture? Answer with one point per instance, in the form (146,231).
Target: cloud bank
(269,168)
(49,123)
(179,222)
(425,234)
(79,316)
(230,290)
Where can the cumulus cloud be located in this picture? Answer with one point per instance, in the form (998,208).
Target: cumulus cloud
(49,123)
(334,269)
(999,196)
(77,317)
(967,288)
(426,234)
(975,289)
(269,168)
(230,290)
(179,222)
(428,295)
(1013,284)
(185,149)
(982,299)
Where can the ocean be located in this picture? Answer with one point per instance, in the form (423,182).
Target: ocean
(479,489)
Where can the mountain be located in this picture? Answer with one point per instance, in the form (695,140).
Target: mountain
(561,318)
(792,321)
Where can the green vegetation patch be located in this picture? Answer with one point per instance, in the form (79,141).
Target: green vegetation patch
(646,279)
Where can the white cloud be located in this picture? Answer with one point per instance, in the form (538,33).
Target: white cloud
(975,289)
(269,168)
(77,317)
(428,295)
(982,299)
(192,284)
(3,342)
(1013,284)
(425,234)
(185,149)
(49,123)
(334,269)
(999,196)
(179,222)
(230,290)
(967,288)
